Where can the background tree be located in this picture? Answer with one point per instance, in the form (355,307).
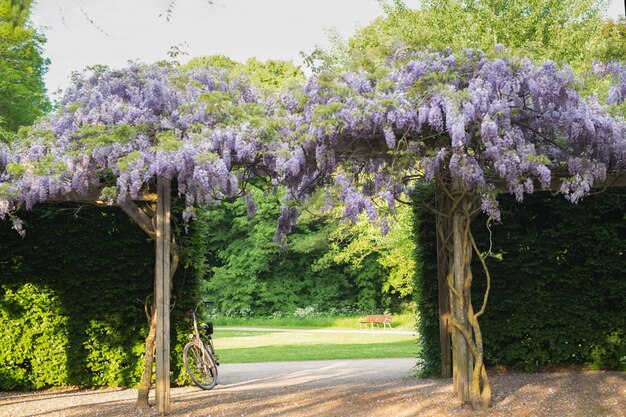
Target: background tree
(330,264)
(22,67)
(569,31)
(270,74)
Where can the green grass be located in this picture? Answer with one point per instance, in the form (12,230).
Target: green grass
(220,334)
(405,349)
(240,347)
(400,322)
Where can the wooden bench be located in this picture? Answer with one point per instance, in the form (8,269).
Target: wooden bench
(375,320)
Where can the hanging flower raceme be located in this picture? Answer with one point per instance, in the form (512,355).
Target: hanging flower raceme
(486,123)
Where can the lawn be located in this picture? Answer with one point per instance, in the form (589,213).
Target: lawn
(234,346)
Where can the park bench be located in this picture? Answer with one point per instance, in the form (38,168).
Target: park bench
(375,320)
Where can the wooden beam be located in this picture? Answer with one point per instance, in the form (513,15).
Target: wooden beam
(462,361)
(162,294)
(93,195)
(616,181)
(139,216)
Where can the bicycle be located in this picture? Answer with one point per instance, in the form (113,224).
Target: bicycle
(199,358)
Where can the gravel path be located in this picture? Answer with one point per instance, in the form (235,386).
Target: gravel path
(368,387)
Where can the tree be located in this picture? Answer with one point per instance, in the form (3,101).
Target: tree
(394,246)
(271,74)
(22,90)
(116,131)
(330,264)
(614,36)
(569,31)
(474,126)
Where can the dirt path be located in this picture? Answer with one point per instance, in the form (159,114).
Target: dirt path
(368,387)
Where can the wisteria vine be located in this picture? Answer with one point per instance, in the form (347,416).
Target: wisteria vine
(490,123)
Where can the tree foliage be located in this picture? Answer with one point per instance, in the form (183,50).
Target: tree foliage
(567,32)
(353,242)
(22,66)
(270,74)
(330,265)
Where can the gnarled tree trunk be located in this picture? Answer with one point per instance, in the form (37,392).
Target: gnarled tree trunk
(471,384)
(143,389)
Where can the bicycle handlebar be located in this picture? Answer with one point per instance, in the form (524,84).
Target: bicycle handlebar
(204,303)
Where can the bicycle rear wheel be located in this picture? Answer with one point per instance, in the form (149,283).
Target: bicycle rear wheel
(200,366)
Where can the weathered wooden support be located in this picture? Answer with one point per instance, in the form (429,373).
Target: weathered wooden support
(139,217)
(444,228)
(462,360)
(162,295)
(93,196)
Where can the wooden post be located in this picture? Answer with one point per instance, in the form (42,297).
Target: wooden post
(462,369)
(443,231)
(162,290)
(462,360)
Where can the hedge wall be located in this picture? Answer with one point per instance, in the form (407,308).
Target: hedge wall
(558,283)
(71,300)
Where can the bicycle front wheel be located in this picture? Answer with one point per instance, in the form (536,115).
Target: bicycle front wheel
(200,366)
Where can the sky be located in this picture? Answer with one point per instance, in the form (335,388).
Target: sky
(81,33)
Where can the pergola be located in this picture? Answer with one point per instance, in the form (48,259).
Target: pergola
(474,126)
(158,228)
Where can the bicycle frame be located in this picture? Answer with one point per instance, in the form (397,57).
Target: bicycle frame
(196,338)
(208,360)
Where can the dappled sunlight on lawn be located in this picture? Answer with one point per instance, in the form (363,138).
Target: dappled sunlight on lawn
(299,352)
(307,338)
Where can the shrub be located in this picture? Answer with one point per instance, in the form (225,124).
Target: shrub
(71,299)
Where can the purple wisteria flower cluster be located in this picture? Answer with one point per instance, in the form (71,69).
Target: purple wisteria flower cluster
(617,91)
(487,124)
(115,131)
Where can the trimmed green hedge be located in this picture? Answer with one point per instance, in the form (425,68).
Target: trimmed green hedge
(426,291)
(558,283)
(71,300)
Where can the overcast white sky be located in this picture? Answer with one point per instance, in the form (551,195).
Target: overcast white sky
(123,30)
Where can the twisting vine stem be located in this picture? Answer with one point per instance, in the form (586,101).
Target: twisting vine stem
(487,275)
(471,381)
